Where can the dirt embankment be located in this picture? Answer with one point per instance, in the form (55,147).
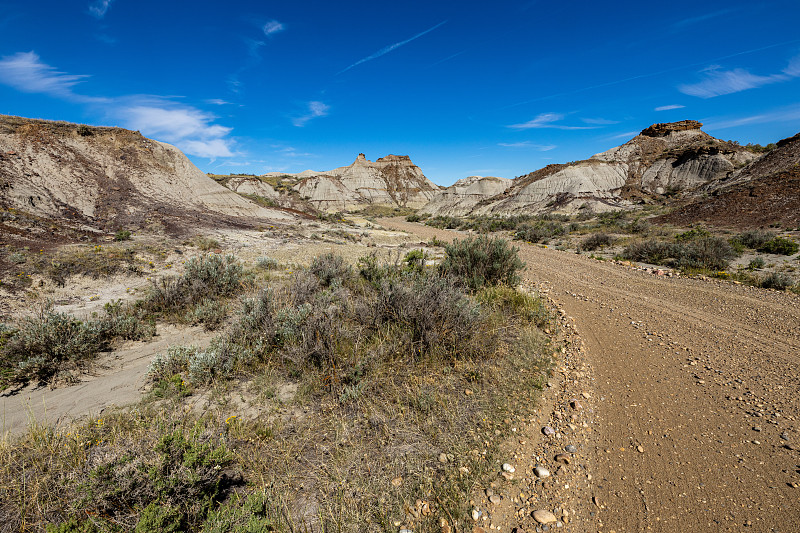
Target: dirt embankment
(696,413)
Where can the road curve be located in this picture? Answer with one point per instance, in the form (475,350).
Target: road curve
(696,400)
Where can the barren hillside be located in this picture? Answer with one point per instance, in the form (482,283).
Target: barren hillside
(104,179)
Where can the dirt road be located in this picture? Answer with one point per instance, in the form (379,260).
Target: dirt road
(696,400)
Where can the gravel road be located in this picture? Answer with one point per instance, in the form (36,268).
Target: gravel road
(696,395)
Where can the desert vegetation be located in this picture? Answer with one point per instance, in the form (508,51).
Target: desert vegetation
(369,435)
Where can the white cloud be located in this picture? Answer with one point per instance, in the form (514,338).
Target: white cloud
(600,121)
(99,8)
(720,82)
(627,134)
(669,107)
(528,144)
(315,109)
(784,114)
(272,27)
(387,49)
(26,72)
(547,120)
(217,101)
(190,129)
(793,68)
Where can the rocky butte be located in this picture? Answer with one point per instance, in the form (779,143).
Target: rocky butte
(392,181)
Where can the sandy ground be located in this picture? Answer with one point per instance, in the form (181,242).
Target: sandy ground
(118,380)
(695,403)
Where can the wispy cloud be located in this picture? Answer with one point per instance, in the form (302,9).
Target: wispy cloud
(669,107)
(315,109)
(626,135)
(385,50)
(548,120)
(719,82)
(188,127)
(529,144)
(99,8)
(783,114)
(691,21)
(217,101)
(26,72)
(272,27)
(600,121)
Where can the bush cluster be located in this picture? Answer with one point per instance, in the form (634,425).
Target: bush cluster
(541,231)
(596,240)
(482,261)
(205,277)
(698,252)
(48,343)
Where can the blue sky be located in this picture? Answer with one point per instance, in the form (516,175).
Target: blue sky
(464,88)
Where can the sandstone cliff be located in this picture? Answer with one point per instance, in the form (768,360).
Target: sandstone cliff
(390,181)
(109,178)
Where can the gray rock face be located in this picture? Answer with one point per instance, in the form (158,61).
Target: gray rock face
(255,186)
(106,177)
(675,159)
(462,196)
(390,181)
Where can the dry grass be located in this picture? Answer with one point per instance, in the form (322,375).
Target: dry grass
(355,448)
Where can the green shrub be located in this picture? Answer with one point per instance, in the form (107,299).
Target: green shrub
(482,261)
(210,276)
(651,251)
(417,217)
(438,317)
(756,263)
(206,244)
(252,514)
(693,234)
(710,253)
(267,263)
(541,231)
(596,240)
(779,245)
(444,222)
(122,235)
(754,238)
(639,225)
(776,280)
(330,269)
(415,261)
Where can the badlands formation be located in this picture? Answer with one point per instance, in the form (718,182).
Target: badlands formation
(103,179)
(392,181)
(664,160)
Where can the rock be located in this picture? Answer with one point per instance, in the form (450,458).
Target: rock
(442,457)
(489,493)
(495,499)
(462,196)
(541,472)
(563,458)
(640,449)
(575,405)
(392,180)
(508,468)
(467,392)
(397,481)
(569,448)
(547,430)
(544,517)
(476,514)
(785,436)
(507,476)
